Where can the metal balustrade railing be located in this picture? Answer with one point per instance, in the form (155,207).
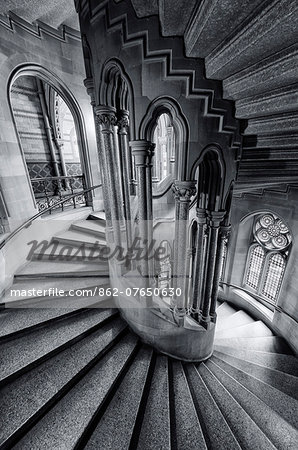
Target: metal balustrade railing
(70,197)
(49,192)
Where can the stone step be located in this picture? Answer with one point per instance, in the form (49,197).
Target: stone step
(280,380)
(94,227)
(271,344)
(278,431)
(215,21)
(78,238)
(283,363)
(111,432)
(218,435)
(21,293)
(37,269)
(223,311)
(156,429)
(20,355)
(281,403)
(65,252)
(97,215)
(237,319)
(274,72)
(79,408)
(174,16)
(187,428)
(272,30)
(245,430)
(277,101)
(284,123)
(21,320)
(26,399)
(256,329)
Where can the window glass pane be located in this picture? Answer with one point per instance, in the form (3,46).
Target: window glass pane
(273,277)
(255,266)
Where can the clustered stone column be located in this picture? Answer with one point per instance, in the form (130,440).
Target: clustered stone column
(213,221)
(199,262)
(123,124)
(106,122)
(142,152)
(224,232)
(183,191)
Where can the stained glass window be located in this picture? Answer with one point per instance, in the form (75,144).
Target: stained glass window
(273,276)
(266,262)
(256,261)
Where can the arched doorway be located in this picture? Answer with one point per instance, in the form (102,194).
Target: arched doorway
(50,133)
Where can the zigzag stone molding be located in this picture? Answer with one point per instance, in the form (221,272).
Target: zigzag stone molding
(12,21)
(141,32)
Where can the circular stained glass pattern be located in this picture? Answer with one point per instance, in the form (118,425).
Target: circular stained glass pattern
(272,232)
(266,220)
(263,235)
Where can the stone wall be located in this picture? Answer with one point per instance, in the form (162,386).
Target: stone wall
(282,202)
(59,53)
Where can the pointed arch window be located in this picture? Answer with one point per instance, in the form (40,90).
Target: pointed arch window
(267,256)
(165,147)
(256,261)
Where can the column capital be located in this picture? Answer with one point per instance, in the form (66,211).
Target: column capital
(89,85)
(201,215)
(106,117)
(184,190)
(123,121)
(141,150)
(216,217)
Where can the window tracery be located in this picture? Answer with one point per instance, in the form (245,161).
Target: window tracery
(267,255)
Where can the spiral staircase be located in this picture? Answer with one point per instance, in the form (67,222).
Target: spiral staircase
(74,376)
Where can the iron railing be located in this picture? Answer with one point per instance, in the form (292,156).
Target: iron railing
(49,192)
(48,210)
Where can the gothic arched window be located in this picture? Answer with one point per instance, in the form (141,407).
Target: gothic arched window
(165,149)
(267,256)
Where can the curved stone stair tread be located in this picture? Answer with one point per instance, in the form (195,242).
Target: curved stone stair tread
(186,428)
(124,405)
(97,215)
(218,435)
(245,430)
(65,284)
(156,430)
(62,268)
(281,403)
(57,251)
(82,403)
(93,227)
(256,329)
(236,320)
(78,238)
(283,363)
(273,344)
(273,72)
(224,311)
(21,354)
(232,55)
(275,378)
(29,396)
(280,433)
(22,320)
